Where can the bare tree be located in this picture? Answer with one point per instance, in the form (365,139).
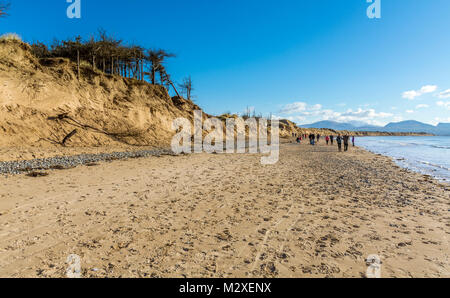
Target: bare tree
(112,56)
(4,6)
(166,81)
(156,59)
(187,87)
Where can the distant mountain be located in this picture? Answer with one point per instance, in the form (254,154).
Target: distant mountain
(409,126)
(444,126)
(331,125)
(443,129)
(404,126)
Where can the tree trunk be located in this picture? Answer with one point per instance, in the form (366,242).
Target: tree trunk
(142,69)
(78,64)
(153,74)
(176,91)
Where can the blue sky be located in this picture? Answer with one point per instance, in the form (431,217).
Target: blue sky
(303,60)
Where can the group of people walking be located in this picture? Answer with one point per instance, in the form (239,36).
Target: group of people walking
(315,139)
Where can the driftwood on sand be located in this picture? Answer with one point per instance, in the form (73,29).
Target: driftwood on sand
(66,138)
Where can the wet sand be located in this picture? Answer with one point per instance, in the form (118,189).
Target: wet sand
(316,213)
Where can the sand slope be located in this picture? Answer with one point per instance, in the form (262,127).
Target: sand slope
(106,110)
(316,213)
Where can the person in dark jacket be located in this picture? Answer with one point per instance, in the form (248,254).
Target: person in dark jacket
(339,142)
(346,141)
(332,140)
(312,139)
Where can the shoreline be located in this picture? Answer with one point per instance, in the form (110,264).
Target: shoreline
(397,163)
(317,213)
(86,156)
(411,165)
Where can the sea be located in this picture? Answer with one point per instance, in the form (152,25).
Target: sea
(426,155)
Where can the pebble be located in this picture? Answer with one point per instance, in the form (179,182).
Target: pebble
(66,162)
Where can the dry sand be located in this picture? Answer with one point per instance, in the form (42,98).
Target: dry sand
(316,213)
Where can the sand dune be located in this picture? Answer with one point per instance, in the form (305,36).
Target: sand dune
(316,213)
(106,110)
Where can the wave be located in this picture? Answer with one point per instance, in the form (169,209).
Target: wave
(440,147)
(413,144)
(427,156)
(434,165)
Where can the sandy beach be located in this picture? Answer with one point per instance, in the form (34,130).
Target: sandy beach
(316,213)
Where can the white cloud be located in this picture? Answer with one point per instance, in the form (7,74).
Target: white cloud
(328,114)
(444,104)
(364,114)
(293,108)
(316,107)
(398,118)
(412,94)
(300,111)
(428,89)
(296,118)
(444,94)
(442,120)
(302,108)
(369,116)
(422,106)
(409,111)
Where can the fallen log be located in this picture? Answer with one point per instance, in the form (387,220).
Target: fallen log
(59,117)
(68,137)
